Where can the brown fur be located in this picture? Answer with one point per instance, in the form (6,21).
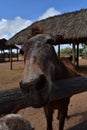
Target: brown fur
(43,66)
(34,31)
(68,70)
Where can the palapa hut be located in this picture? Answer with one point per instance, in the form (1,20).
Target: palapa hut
(72,26)
(4,47)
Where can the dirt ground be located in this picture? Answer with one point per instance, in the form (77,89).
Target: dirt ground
(77,108)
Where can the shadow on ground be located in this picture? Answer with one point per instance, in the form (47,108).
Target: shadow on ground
(81,126)
(82,122)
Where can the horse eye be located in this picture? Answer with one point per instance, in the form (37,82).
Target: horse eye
(21,52)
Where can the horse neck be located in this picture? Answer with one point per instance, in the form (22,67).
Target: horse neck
(61,70)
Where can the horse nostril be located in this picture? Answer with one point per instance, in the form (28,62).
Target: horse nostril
(21,85)
(24,88)
(41,82)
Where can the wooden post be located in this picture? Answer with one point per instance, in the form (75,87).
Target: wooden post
(3,55)
(77,54)
(58,50)
(0,55)
(17,55)
(73,53)
(11,67)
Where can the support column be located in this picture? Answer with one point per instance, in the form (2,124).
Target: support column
(58,50)
(77,55)
(11,67)
(17,55)
(73,53)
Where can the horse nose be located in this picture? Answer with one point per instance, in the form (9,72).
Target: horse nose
(41,82)
(37,84)
(24,87)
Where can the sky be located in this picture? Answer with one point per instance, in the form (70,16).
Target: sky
(16,15)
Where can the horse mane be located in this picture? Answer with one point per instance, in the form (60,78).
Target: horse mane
(36,29)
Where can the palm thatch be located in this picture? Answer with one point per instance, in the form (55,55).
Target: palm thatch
(4,46)
(2,43)
(72,26)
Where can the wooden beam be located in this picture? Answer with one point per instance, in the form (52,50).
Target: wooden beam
(13,100)
(68,87)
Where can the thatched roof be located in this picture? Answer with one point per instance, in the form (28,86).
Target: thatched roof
(72,26)
(4,46)
(2,43)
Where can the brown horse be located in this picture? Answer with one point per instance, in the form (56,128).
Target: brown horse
(42,69)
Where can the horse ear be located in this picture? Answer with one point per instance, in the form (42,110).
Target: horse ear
(22,49)
(55,40)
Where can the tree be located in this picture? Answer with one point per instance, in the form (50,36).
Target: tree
(84,45)
(66,51)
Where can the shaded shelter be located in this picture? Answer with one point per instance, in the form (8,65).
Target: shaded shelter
(2,43)
(4,47)
(72,26)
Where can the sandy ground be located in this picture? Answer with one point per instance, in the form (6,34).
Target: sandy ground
(77,108)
